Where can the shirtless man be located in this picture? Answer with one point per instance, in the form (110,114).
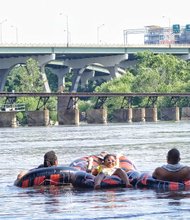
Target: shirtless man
(173,170)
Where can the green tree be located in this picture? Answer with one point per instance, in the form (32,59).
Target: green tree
(152,73)
(25,78)
(160,73)
(121,84)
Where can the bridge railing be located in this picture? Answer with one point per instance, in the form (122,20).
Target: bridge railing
(92,45)
(94,94)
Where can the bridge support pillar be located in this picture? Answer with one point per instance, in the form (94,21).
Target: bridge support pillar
(61,73)
(138,115)
(151,114)
(97,116)
(3,76)
(8,119)
(169,114)
(67,111)
(45,80)
(38,118)
(185,113)
(68,117)
(123,115)
(113,71)
(85,77)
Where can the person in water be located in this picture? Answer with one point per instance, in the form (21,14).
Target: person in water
(173,170)
(109,167)
(50,159)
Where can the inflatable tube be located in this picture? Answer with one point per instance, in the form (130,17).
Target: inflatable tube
(82,163)
(76,175)
(145,180)
(55,175)
(83,179)
(86,180)
(137,179)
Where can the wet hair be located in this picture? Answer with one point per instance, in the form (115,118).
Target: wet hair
(50,159)
(173,156)
(109,155)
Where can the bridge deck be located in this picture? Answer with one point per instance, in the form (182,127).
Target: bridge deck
(92,94)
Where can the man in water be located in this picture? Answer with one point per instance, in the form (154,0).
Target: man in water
(173,170)
(50,159)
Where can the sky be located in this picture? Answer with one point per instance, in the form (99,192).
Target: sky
(89,21)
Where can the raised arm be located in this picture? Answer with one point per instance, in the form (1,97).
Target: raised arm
(90,164)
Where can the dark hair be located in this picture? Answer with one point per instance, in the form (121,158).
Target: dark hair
(50,158)
(109,155)
(173,156)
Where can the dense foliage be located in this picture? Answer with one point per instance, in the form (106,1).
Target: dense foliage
(27,78)
(152,73)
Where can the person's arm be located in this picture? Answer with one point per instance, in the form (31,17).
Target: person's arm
(90,164)
(117,160)
(155,174)
(188,172)
(21,174)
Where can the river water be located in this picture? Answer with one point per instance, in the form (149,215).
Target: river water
(146,144)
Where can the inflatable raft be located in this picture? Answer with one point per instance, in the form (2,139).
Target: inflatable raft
(137,179)
(76,175)
(55,175)
(145,180)
(86,180)
(82,163)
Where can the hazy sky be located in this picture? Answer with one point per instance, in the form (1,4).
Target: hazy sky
(44,21)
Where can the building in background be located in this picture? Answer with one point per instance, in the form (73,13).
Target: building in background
(167,35)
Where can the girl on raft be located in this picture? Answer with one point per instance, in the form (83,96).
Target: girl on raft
(108,167)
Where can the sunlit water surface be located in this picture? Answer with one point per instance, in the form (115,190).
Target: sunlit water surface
(146,144)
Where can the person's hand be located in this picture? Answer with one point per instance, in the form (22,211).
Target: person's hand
(90,159)
(21,174)
(90,164)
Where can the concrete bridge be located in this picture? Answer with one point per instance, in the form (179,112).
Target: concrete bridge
(87,62)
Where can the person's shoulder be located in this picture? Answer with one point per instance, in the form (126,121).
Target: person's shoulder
(158,168)
(157,172)
(186,169)
(40,166)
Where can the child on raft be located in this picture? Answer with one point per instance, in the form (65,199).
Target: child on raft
(109,167)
